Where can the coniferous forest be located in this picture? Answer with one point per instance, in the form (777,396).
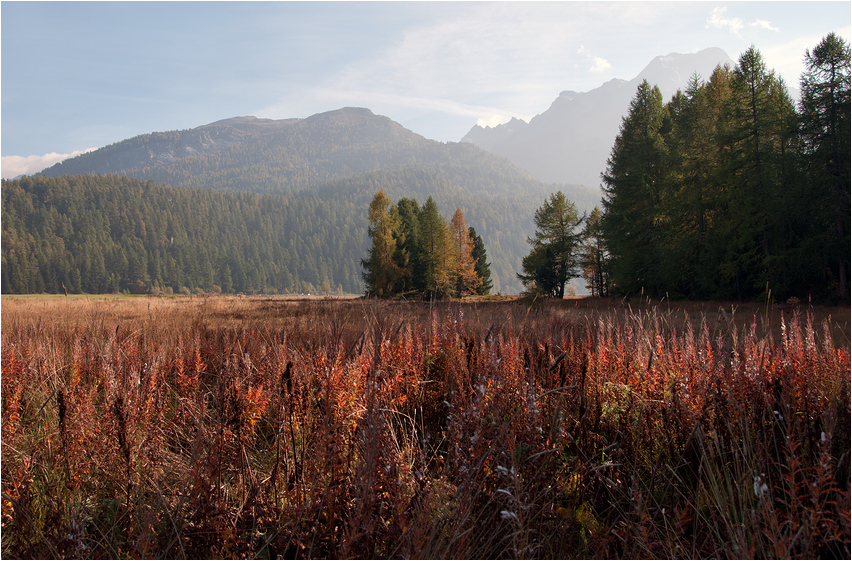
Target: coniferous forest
(416,252)
(730,190)
(98,234)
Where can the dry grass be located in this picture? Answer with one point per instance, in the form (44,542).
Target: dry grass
(280,311)
(262,427)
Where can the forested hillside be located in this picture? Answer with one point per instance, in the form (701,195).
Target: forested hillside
(327,168)
(109,233)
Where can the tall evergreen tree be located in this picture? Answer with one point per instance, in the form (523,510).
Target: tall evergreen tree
(483,268)
(408,252)
(553,259)
(757,167)
(434,275)
(825,126)
(694,201)
(380,270)
(633,185)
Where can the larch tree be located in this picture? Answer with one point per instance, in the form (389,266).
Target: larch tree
(381,272)
(691,151)
(467,281)
(757,167)
(825,125)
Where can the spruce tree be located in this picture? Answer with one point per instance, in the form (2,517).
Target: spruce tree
(483,268)
(825,124)
(435,267)
(408,254)
(633,186)
(553,259)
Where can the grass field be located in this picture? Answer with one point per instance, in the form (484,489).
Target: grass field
(228,427)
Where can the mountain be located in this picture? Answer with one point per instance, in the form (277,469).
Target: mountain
(571,141)
(258,155)
(338,160)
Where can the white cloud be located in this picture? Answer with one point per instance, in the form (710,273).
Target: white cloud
(764,24)
(718,20)
(598,64)
(503,59)
(13,166)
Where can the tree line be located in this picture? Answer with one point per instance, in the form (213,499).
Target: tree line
(107,234)
(414,252)
(728,191)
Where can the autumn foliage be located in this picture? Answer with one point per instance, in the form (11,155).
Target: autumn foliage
(232,428)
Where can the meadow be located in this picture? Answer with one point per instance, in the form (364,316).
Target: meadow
(268,427)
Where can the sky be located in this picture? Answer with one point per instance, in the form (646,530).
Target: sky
(76,76)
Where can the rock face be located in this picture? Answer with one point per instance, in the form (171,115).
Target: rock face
(571,141)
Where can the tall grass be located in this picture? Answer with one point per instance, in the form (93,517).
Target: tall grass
(228,427)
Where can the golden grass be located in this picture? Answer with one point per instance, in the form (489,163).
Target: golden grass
(234,427)
(283,311)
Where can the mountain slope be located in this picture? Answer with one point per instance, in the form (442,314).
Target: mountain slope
(270,156)
(342,158)
(257,155)
(571,141)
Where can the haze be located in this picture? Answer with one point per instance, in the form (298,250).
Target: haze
(81,75)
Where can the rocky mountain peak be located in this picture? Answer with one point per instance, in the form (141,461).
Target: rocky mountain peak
(571,141)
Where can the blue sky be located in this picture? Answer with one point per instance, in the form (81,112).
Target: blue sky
(81,75)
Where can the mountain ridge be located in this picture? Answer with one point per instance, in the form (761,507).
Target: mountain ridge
(342,157)
(549,146)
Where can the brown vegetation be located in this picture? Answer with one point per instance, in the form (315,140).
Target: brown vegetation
(263,427)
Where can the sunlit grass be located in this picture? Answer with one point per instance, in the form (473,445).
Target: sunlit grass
(224,426)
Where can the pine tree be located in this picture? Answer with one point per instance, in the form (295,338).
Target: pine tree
(634,181)
(825,125)
(380,270)
(483,268)
(553,259)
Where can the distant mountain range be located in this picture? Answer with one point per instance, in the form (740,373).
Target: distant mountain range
(571,141)
(260,155)
(497,176)
(344,157)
